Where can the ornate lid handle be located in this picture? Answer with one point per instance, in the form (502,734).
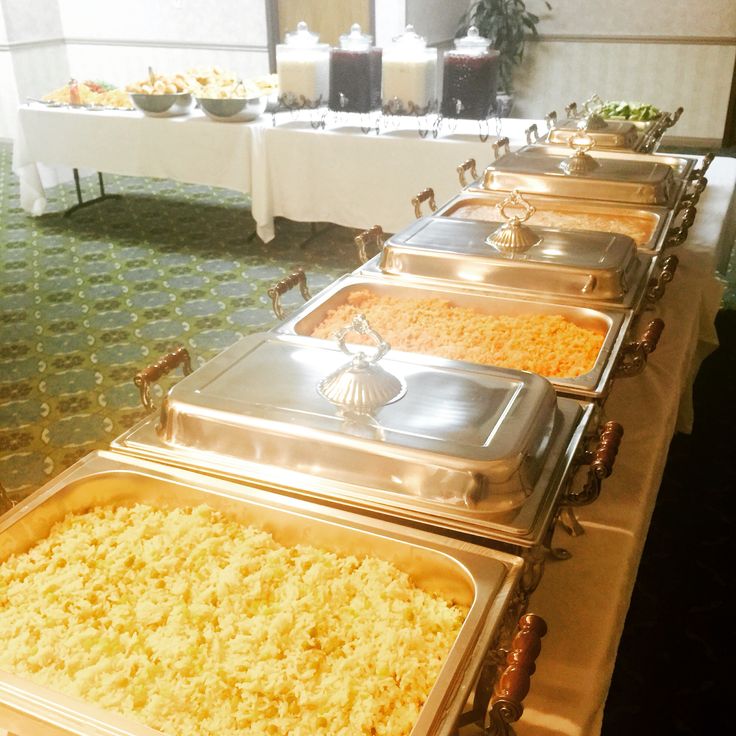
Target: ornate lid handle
(516,199)
(361,326)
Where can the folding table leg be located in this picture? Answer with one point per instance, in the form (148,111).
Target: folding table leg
(80,200)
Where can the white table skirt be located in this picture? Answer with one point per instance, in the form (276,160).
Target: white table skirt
(192,149)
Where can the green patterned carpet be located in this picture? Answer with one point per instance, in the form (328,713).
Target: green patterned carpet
(87,301)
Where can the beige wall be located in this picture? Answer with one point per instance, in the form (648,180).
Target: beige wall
(668,52)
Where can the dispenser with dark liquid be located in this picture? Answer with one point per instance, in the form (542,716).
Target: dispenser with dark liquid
(470,78)
(355,74)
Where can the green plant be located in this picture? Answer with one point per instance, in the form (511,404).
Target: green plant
(506,23)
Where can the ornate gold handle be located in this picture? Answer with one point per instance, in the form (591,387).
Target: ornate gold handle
(657,286)
(513,684)
(426,195)
(464,167)
(633,357)
(150,375)
(516,199)
(677,235)
(6,503)
(672,118)
(601,461)
(532,134)
(571,110)
(298,278)
(499,144)
(361,241)
(551,119)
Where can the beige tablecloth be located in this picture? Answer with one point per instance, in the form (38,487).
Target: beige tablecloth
(585,599)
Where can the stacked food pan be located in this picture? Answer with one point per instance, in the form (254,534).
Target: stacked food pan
(454,470)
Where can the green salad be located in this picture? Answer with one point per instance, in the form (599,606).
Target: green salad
(618,110)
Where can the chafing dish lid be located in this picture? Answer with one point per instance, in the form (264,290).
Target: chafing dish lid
(611,133)
(618,179)
(594,264)
(460,436)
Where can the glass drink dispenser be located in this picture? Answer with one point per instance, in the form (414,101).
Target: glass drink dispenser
(470,78)
(303,66)
(355,74)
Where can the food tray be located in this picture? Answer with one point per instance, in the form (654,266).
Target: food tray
(561,211)
(614,179)
(594,268)
(592,385)
(484,579)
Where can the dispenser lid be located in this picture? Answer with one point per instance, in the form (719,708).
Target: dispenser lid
(473,42)
(302,37)
(356,40)
(409,40)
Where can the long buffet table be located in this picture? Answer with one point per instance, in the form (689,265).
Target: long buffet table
(584,599)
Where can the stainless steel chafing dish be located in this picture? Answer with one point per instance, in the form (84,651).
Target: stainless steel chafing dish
(585,176)
(592,268)
(606,133)
(484,579)
(652,226)
(617,356)
(484,452)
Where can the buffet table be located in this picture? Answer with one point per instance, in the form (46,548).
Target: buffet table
(191,149)
(344,176)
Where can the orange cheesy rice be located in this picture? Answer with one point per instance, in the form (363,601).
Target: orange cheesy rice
(546,344)
(196,624)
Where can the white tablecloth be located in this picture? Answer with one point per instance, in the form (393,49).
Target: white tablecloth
(343,176)
(192,149)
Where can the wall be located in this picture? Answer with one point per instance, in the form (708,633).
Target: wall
(117,41)
(32,55)
(670,53)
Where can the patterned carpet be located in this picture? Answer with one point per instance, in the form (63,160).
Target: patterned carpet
(87,301)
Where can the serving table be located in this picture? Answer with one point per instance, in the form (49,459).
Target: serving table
(190,148)
(584,599)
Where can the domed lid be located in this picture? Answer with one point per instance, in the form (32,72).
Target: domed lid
(302,38)
(356,40)
(473,43)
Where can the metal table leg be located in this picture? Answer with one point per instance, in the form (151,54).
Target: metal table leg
(80,200)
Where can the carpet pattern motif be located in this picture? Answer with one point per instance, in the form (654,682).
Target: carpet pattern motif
(87,301)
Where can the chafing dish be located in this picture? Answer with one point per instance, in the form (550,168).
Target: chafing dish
(585,176)
(650,226)
(592,268)
(613,134)
(484,579)
(617,356)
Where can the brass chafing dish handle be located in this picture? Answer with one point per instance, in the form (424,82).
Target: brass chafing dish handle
(499,144)
(678,235)
(532,134)
(601,461)
(6,503)
(512,686)
(571,110)
(633,357)
(150,375)
(298,278)
(374,234)
(672,118)
(465,166)
(657,286)
(424,196)
(551,119)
